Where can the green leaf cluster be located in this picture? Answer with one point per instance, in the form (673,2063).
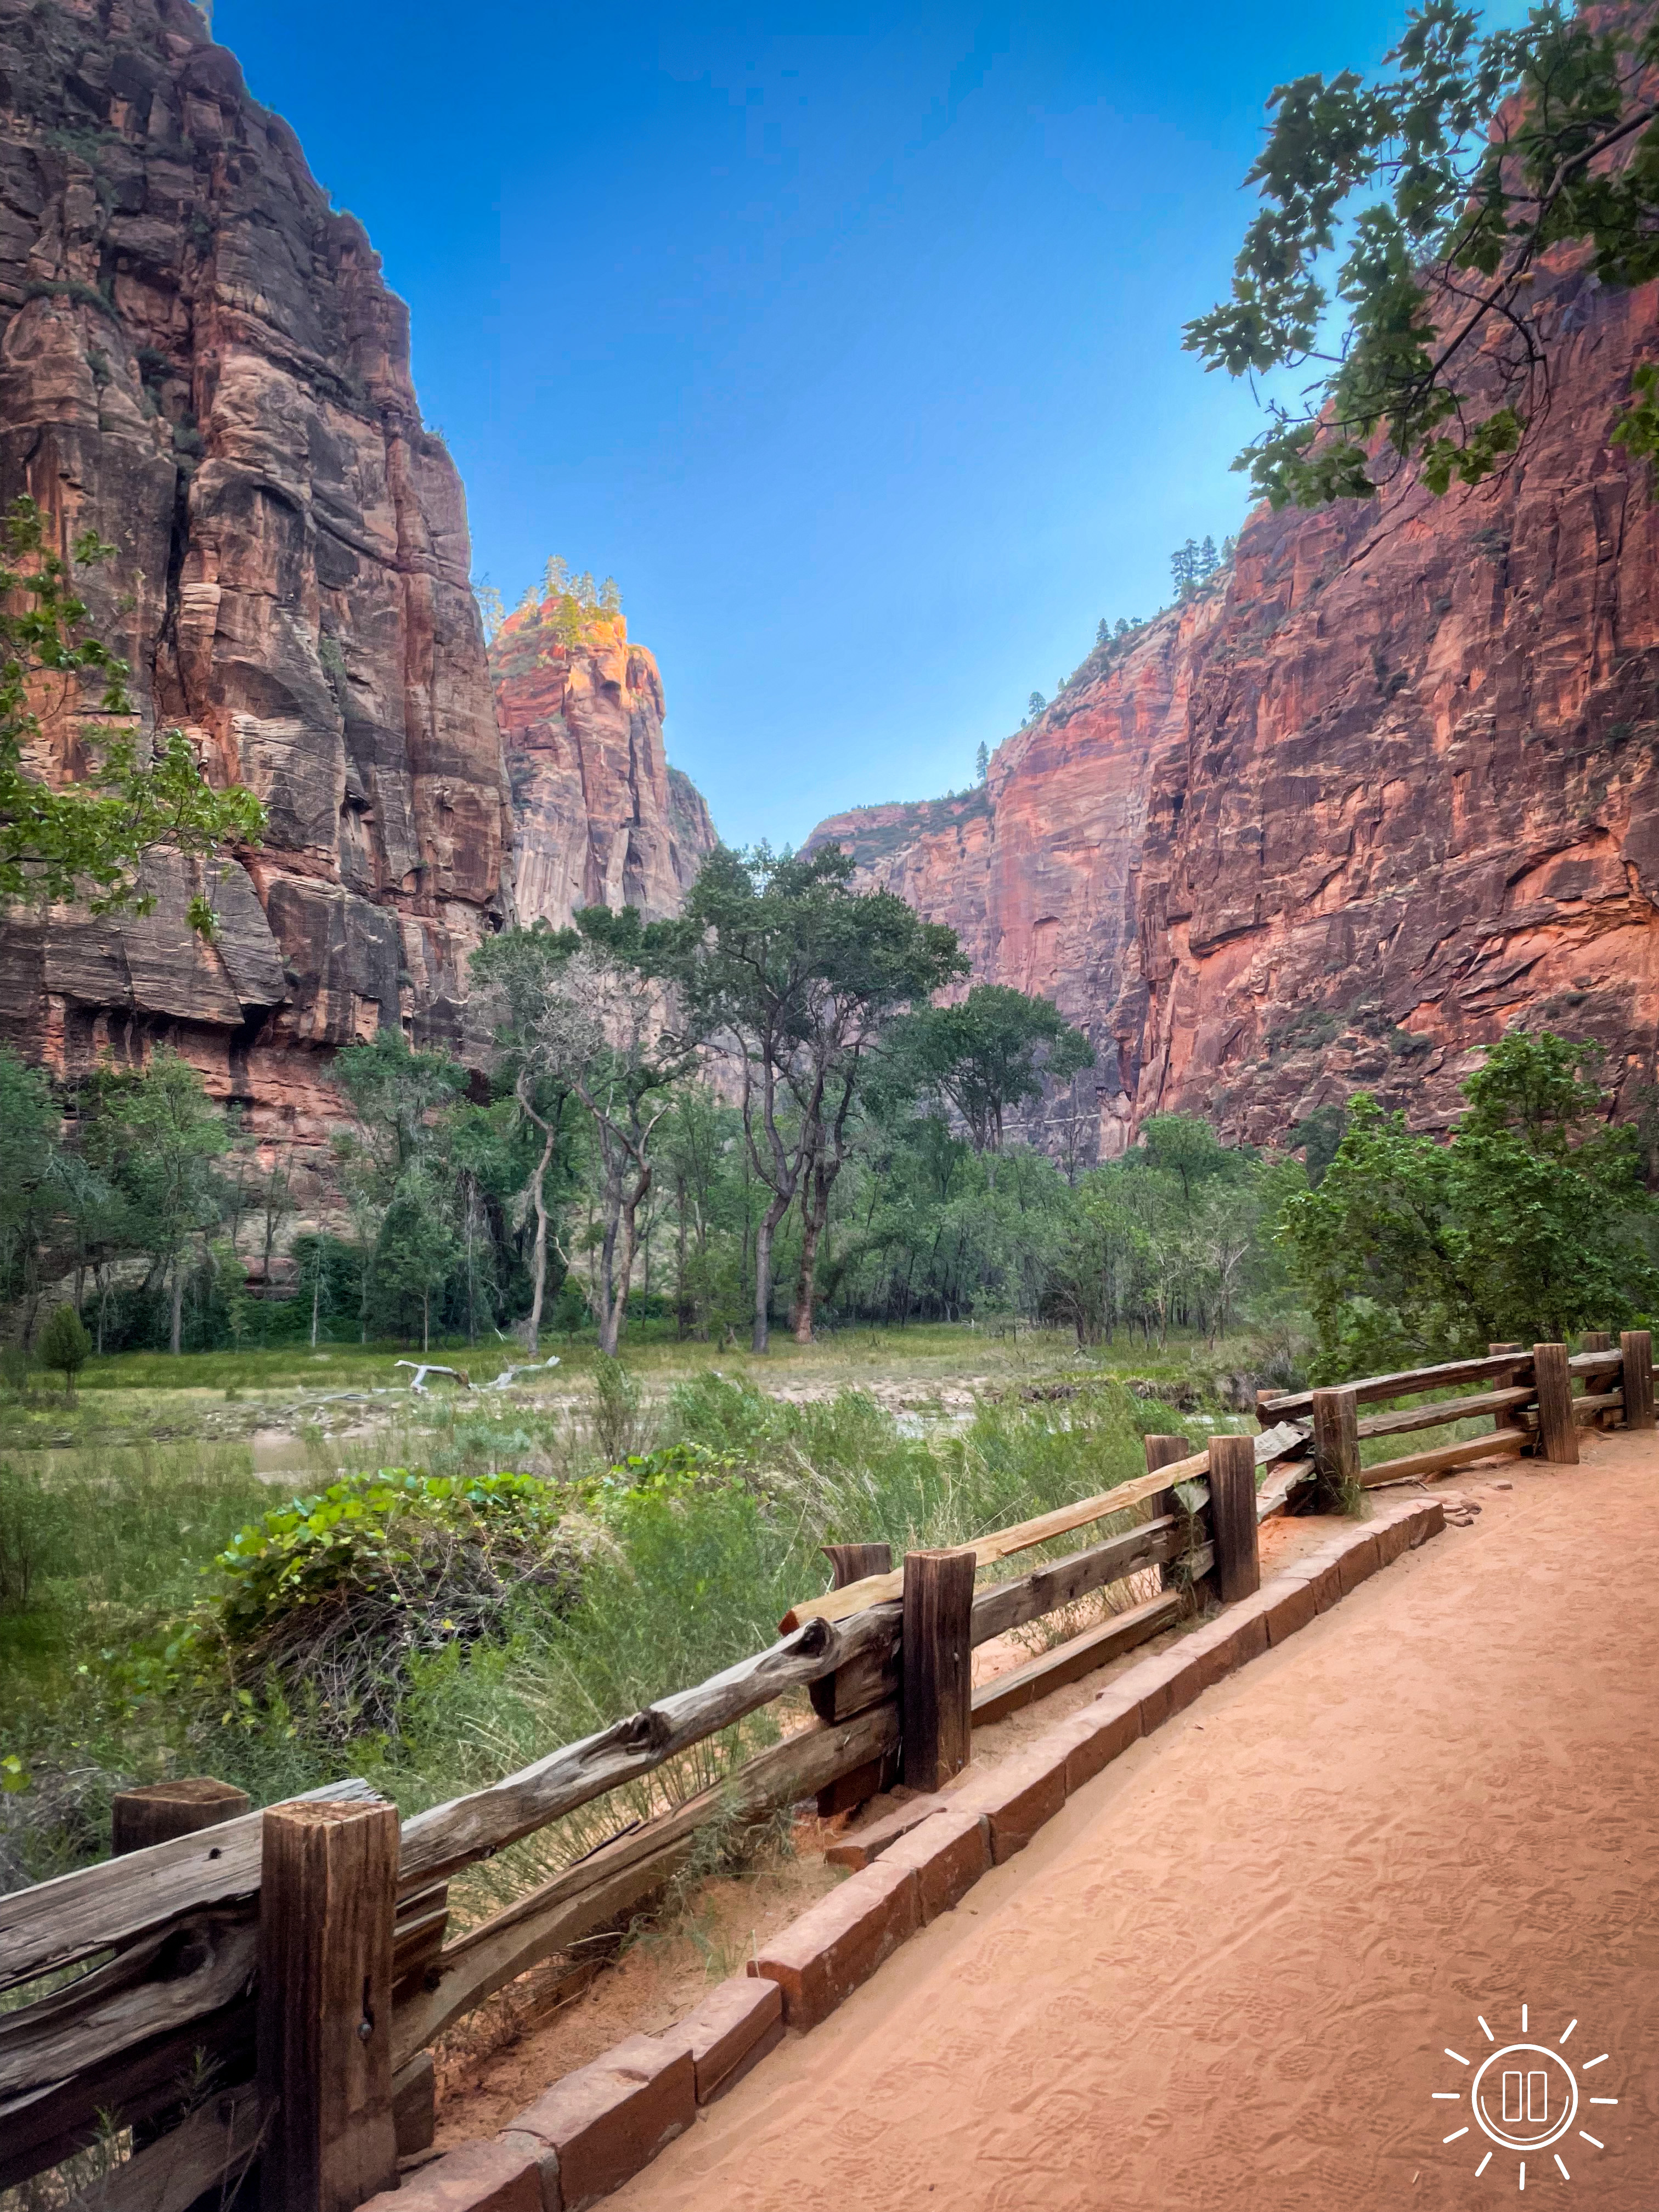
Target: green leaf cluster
(1404,219)
(361,1530)
(92,839)
(1531,1224)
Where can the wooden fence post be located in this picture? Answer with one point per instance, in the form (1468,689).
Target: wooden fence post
(1163,1451)
(937,1654)
(1637,1346)
(1336,1445)
(1232,1516)
(327,1901)
(158,1811)
(1506,1416)
(1598,1339)
(1558,1432)
(850,1563)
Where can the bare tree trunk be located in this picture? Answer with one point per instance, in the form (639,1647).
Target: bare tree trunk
(620,1278)
(774,1214)
(811,1226)
(178,1303)
(679,1286)
(609,1327)
(316,1294)
(538,1251)
(426,1322)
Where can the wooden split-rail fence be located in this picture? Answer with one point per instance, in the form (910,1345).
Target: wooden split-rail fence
(239,1988)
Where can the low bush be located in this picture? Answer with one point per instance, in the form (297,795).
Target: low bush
(322,1604)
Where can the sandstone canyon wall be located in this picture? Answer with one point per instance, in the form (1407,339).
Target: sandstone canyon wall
(1389,787)
(602,819)
(199,360)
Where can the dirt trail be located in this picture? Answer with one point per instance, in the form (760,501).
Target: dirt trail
(1225,1975)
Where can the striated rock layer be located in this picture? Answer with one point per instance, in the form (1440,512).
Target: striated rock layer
(1387,789)
(199,360)
(602,819)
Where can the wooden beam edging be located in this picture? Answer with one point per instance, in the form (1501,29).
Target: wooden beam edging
(103,2016)
(1010,1811)
(619,1875)
(54,1923)
(1010,1605)
(1440,1413)
(130,1999)
(440,1842)
(1411,1382)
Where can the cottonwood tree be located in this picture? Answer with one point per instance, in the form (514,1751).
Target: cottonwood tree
(386,1156)
(606,1033)
(794,976)
(586,1014)
(417,1250)
(158,1137)
(1406,219)
(31,1128)
(521,972)
(993,1052)
(696,1149)
(1530,1223)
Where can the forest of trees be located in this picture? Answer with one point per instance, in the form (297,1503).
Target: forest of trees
(761,1116)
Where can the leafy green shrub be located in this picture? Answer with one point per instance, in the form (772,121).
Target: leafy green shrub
(65,1345)
(1532,1222)
(619,1421)
(323,1603)
(25,1535)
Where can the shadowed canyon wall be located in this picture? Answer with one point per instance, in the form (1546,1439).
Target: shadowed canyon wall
(199,360)
(1387,787)
(602,819)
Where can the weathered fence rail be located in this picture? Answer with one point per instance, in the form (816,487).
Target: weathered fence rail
(1531,1403)
(268,1986)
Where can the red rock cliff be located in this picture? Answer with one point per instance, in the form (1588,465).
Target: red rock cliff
(199,360)
(1387,789)
(602,819)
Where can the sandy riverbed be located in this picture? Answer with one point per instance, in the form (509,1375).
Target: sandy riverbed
(1225,1976)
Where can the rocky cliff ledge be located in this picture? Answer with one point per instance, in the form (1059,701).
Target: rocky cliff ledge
(200,361)
(1389,786)
(601,818)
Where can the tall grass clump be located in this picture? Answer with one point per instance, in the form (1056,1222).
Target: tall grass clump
(94,1557)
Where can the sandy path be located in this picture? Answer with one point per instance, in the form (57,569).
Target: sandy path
(1225,1976)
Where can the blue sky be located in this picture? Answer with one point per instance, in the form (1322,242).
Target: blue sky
(847,341)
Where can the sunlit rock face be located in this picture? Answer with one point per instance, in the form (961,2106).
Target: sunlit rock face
(1387,789)
(601,818)
(200,361)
